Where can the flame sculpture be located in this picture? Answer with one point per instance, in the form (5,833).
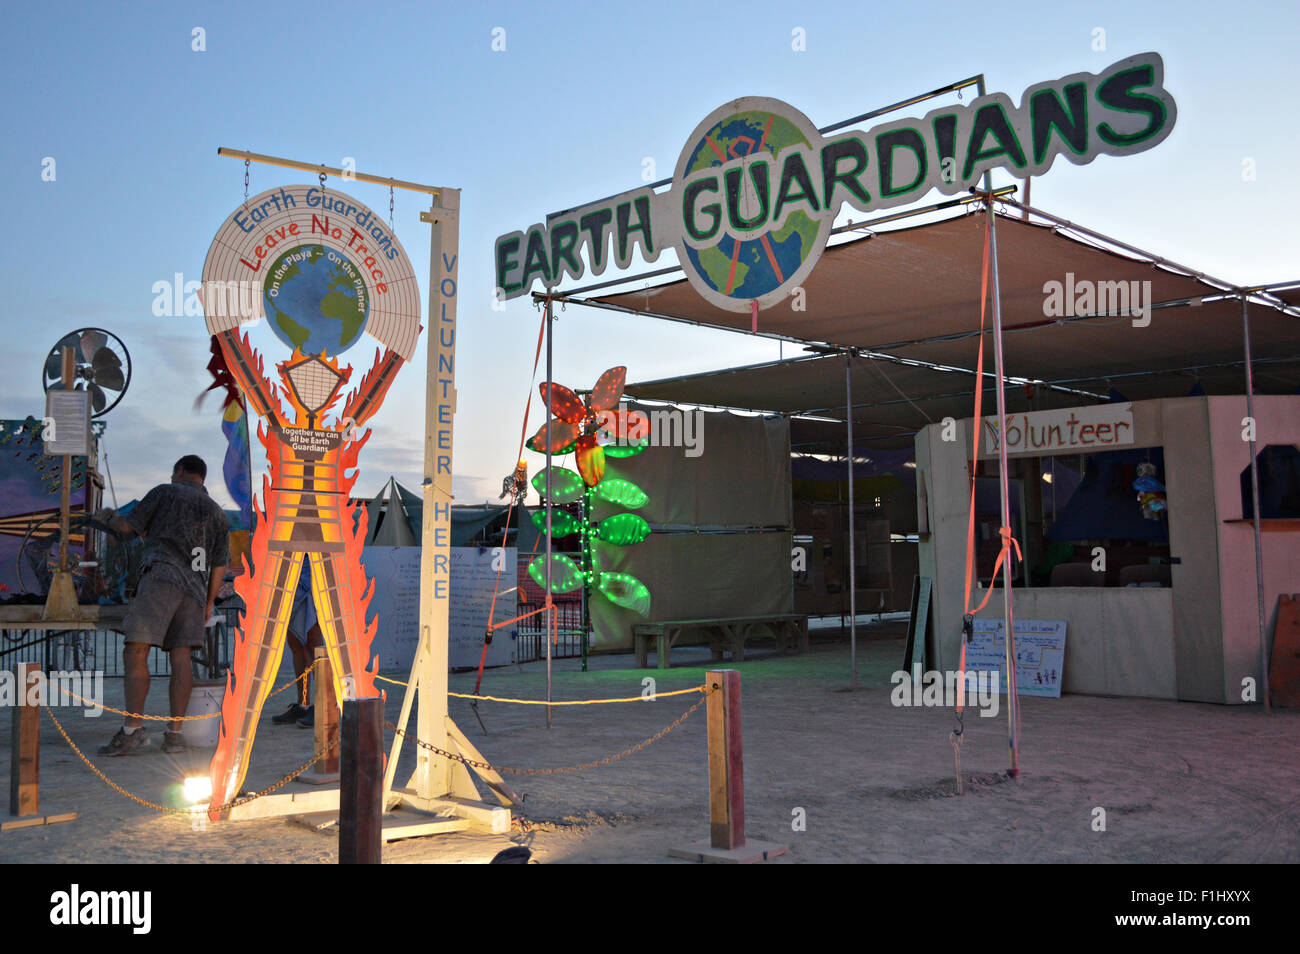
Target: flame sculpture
(303,513)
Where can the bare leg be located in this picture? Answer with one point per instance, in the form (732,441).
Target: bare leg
(135,679)
(182,683)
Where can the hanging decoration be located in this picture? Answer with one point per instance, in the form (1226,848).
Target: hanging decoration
(1151,492)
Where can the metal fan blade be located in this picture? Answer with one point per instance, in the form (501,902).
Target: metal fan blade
(107,370)
(54,366)
(97,398)
(54,363)
(91,342)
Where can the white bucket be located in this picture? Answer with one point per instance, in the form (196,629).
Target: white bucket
(204,700)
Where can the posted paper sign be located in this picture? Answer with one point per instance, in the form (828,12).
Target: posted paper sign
(1077,429)
(1040,654)
(396,605)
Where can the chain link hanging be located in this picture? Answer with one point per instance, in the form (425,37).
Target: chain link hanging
(391,227)
(247,163)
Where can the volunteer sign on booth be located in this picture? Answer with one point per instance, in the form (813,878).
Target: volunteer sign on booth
(757,187)
(1070,429)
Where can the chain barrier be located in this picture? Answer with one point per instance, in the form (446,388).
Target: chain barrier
(610,760)
(186,718)
(190,812)
(566,702)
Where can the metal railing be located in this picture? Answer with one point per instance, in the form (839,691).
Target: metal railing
(101,650)
(529,644)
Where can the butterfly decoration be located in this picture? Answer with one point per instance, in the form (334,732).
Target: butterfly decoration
(590,429)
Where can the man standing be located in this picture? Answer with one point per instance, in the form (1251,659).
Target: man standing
(185,556)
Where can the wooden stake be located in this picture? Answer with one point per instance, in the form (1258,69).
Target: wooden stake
(25,768)
(362,782)
(726,762)
(726,842)
(326,714)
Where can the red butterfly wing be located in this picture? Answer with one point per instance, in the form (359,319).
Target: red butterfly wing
(608,389)
(614,423)
(562,435)
(564,404)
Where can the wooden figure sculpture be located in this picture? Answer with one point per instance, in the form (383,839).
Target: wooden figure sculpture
(324,279)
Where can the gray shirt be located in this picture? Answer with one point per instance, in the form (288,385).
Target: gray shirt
(176,520)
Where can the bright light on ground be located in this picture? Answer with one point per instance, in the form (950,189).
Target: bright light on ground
(197,789)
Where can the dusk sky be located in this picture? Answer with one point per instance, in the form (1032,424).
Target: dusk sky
(581,96)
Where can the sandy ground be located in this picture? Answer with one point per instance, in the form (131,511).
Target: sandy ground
(1179,782)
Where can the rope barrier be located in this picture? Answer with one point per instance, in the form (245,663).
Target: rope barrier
(184,718)
(570,702)
(188,812)
(474,763)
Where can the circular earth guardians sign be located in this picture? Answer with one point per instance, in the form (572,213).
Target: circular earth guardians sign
(320,266)
(730,272)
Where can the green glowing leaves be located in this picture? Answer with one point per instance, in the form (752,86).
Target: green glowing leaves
(565,575)
(562,523)
(592,431)
(616,490)
(566,485)
(623,450)
(623,529)
(625,590)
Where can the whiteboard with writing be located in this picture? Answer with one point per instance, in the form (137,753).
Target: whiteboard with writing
(1040,654)
(395,604)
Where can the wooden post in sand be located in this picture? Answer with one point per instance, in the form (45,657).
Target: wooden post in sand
(25,752)
(727,841)
(25,767)
(362,782)
(325,710)
(726,762)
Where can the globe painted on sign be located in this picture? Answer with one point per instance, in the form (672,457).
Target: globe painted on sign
(750,269)
(316,300)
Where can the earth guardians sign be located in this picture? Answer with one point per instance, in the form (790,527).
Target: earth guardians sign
(757,187)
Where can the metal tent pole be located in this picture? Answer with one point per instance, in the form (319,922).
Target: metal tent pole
(550,608)
(853,557)
(1254,496)
(1013,706)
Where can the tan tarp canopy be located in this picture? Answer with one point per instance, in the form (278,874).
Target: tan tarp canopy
(911,295)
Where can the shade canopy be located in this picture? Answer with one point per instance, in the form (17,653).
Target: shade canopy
(911,298)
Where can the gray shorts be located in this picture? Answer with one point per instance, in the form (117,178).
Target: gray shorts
(164,615)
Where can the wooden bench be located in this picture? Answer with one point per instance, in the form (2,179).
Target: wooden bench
(727,632)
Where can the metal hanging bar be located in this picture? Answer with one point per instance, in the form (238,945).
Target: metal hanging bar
(328,170)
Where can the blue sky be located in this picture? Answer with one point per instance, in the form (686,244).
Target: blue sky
(582,94)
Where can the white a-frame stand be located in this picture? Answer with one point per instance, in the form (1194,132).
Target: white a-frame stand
(440,783)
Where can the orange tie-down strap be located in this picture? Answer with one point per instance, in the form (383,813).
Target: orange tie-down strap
(1009,542)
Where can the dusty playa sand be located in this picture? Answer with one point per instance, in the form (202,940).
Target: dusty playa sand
(1180,782)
